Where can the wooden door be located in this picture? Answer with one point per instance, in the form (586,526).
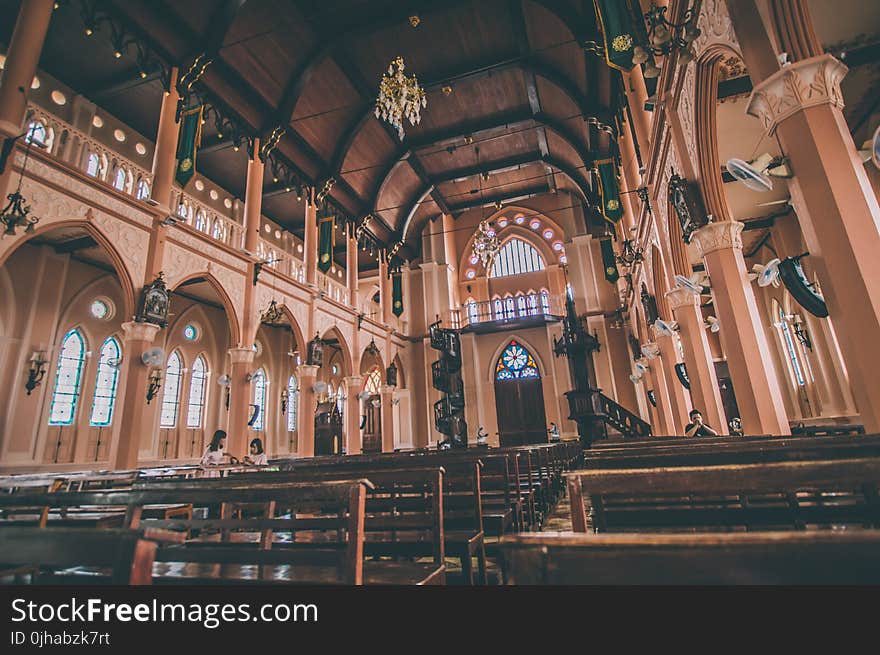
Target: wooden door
(520,408)
(372,426)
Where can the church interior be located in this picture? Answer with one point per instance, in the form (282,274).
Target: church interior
(611,316)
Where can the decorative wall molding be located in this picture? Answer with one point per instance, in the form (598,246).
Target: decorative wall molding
(716,27)
(681,298)
(718,236)
(806,83)
(241,355)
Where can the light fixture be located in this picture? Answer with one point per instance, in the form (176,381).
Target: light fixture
(154,383)
(486,243)
(665,37)
(400,97)
(284,401)
(36,370)
(800,331)
(414,21)
(630,255)
(16,213)
(447,90)
(273,313)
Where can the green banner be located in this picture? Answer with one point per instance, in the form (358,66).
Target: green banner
(325,242)
(188,141)
(612,210)
(619,31)
(609,261)
(397,293)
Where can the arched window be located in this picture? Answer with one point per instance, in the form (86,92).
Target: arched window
(373,385)
(545,302)
(533,304)
(217,230)
(789,347)
(292,403)
(473,313)
(516,257)
(509,308)
(331,391)
(201,222)
(67,377)
(105,383)
(171,395)
(197,387)
(340,401)
(93,165)
(498,306)
(259,381)
(36,134)
(516,362)
(119,181)
(143,190)
(521,307)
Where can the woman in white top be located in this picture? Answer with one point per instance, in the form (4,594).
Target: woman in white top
(214,455)
(257,456)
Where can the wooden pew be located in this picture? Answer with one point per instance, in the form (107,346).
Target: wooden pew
(782,495)
(843,558)
(35,553)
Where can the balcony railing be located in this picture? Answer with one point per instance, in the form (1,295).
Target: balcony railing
(503,311)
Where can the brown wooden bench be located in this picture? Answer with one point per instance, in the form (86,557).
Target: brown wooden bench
(790,558)
(775,495)
(78,555)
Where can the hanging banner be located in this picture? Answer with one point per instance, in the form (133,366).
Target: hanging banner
(326,240)
(612,210)
(681,372)
(619,31)
(188,141)
(397,293)
(609,261)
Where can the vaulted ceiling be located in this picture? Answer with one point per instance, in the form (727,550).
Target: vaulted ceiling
(509,91)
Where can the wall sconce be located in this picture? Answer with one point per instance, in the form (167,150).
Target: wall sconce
(284,401)
(155,383)
(225,382)
(801,332)
(36,370)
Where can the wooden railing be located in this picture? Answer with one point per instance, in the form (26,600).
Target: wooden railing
(595,404)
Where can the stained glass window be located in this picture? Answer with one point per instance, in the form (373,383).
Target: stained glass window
(93,165)
(509,308)
(217,230)
(119,182)
(533,304)
(789,346)
(67,375)
(105,383)
(373,384)
(473,312)
(545,302)
(260,399)
(201,221)
(171,395)
(516,257)
(143,190)
(521,305)
(499,309)
(516,362)
(197,388)
(292,401)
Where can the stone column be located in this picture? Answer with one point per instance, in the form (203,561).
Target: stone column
(384,292)
(387,396)
(665,413)
(307,375)
(136,339)
(241,362)
(636,95)
(253,207)
(351,268)
(22,58)
(310,242)
(679,398)
(742,335)
(165,154)
(354,384)
(698,358)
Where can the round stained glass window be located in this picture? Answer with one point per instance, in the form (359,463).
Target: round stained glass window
(99,309)
(190,332)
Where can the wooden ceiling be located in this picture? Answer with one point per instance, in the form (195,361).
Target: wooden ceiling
(509,89)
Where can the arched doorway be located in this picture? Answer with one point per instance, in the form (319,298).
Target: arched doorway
(519,397)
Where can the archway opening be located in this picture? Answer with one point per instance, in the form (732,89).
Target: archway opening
(519,397)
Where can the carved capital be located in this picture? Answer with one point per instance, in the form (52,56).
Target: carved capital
(241,355)
(386,389)
(353,382)
(806,83)
(139,332)
(679,298)
(718,236)
(307,371)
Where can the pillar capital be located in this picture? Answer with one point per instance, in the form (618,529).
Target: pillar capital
(133,331)
(241,355)
(353,381)
(718,236)
(678,298)
(307,371)
(806,83)
(387,389)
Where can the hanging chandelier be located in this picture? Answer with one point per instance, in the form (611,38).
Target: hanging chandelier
(16,213)
(273,314)
(486,243)
(665,36)
(400,97)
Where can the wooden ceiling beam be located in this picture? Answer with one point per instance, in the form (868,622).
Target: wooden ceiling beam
(120,83)
(508,196)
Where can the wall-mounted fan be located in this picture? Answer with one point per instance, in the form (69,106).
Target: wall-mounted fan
(757,174)
(713,324)
(153,357)
(870,150)
(363,395)
(641,369)
(792,275)
(766,274)
(224,380)
(665,328)
(688,284)
(650,350)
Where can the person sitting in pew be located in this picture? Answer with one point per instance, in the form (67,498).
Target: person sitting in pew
(257,456)
(696,428)
(214,455)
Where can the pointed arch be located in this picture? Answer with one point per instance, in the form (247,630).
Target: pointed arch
(344,348)
(503,344)
(68,378)
(516,362)
(198,387)
(171,382)
(106,383)
(260,382)
(232,317)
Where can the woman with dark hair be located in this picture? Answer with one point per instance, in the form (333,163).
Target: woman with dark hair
(214,455)
(257,456)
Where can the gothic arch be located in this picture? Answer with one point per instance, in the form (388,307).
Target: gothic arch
(232,317)
(505,341)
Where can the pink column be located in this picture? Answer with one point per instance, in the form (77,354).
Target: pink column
(387,395)
(354,384)
(241,363)
(253,207)
(748,356)
(165,155)
(351,267)
(384,292)
(698,358)
(665,413)
(137,338)
(305,421)
(636,95)
(310,243)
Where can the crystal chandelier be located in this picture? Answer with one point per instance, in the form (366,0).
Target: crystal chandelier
(400,97)
(486,243)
